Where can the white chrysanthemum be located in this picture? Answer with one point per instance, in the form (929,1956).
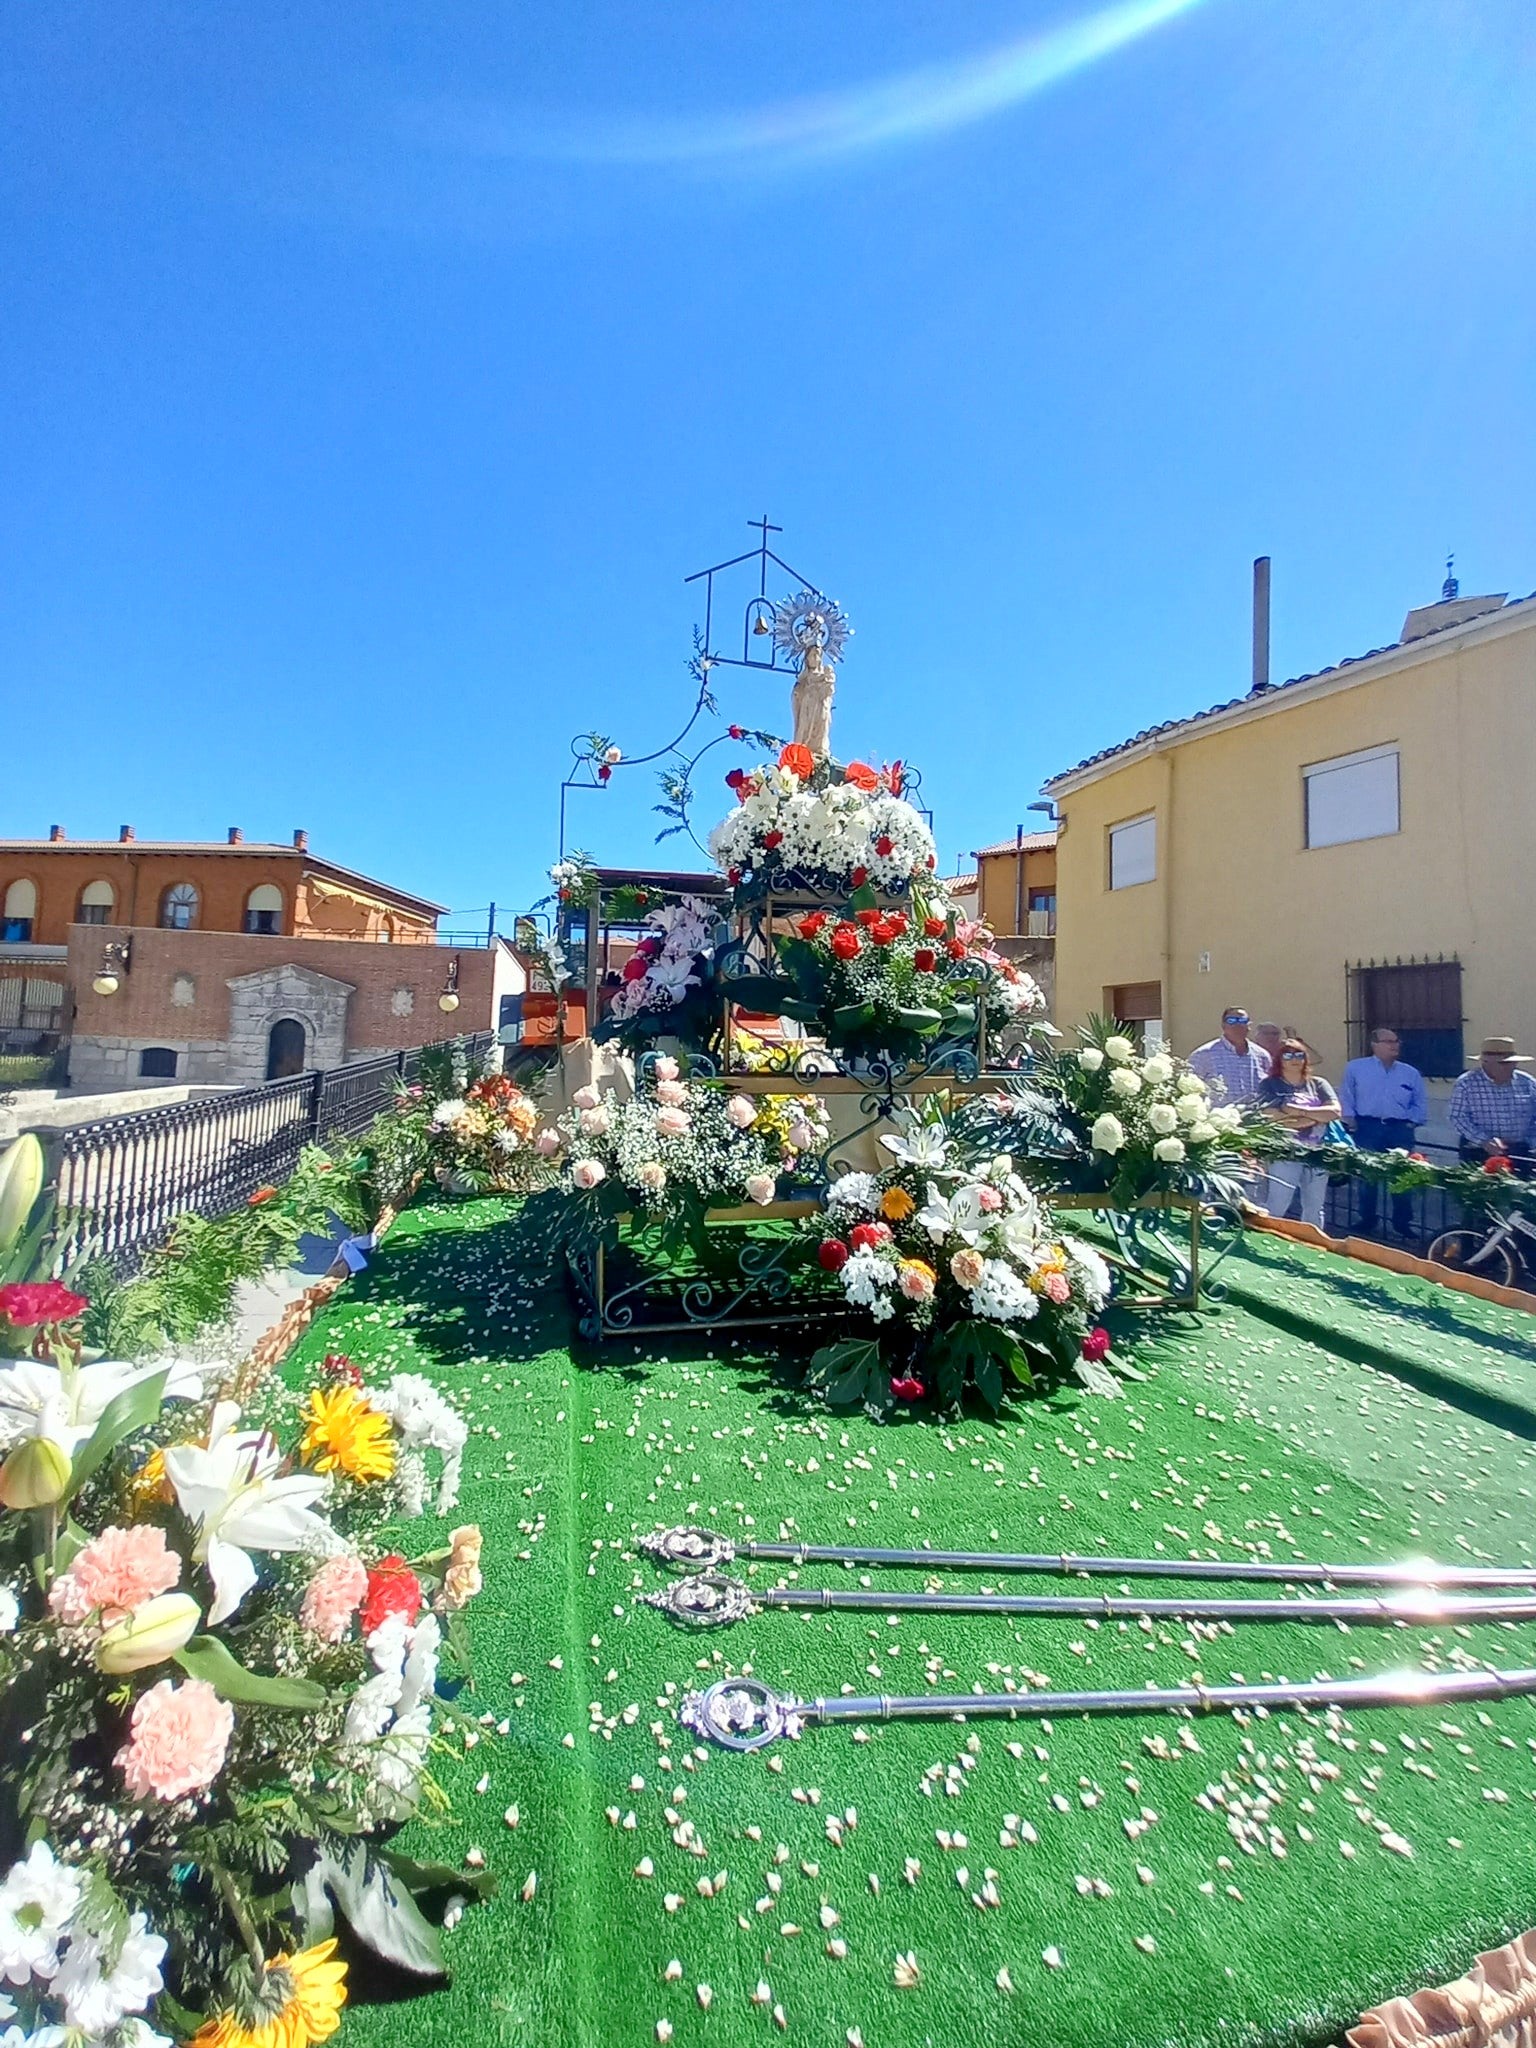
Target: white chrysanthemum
(507,1141)
(37,1901)
(1001,1296)
(865,1277)
(449,1112)
(854,1194)
(96,2000)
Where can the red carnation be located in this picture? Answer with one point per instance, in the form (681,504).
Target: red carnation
(894,777)
(605,773)
(1496,1163)
(865,1236)
(733,876)
(861,777)
(737,732)
(846,943)
(925,960)
(933,927)
(859,877)
(634,968)
(833,1254)
(773,839)
(1096,1344)
(25,1304)
(393,1588)
(955,948)
(736,778)
(908,1389)
(885,846)
(932,861)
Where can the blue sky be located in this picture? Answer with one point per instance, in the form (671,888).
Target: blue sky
(374,377)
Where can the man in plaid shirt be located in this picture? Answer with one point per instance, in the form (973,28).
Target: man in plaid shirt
(1233,1065)
(1493,1105)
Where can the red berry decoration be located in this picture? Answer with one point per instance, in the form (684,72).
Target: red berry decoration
(1096,1344)
(832,1254)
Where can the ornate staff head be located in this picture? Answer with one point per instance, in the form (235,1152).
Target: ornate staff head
(704,1600)
(689,1549)
(741,1714)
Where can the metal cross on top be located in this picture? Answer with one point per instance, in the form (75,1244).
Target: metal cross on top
(772,626)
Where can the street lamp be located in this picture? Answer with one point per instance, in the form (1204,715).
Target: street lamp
(114,965)
(449,999)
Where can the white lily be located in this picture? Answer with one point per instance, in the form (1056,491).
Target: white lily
(672,976)
(66,1403)
(239,1500)
(960,1215)
(925,1148)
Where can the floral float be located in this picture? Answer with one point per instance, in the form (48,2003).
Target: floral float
(480,1139)
(965,1276)
(219,1689)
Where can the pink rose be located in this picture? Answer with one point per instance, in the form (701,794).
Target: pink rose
(595,1122)
(1058,1288)
(967,1267)
(334,1595)
(652,1176)
(586,1173)
(665,1068)
(179,1735)
(116,1572)
(673,1093)
(586,1098)
(741,1111)
(799,1137)
(760,1187)
(671,1123)
(988,1199)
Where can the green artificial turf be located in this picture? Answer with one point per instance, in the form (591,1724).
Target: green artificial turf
(1244,1438)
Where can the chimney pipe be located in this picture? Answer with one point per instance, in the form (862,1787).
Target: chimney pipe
(1261,623)
(301,841)
(55,833)
(124,834)
(236,836)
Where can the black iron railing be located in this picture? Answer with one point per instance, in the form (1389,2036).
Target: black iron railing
(123,1180)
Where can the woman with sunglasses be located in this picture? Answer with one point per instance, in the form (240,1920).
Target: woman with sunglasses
(1303,1104)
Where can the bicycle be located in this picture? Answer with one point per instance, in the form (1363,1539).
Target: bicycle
(1498,1250)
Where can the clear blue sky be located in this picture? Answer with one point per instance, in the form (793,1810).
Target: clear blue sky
(374,375)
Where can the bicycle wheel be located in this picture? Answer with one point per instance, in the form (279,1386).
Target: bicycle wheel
(1457,1248)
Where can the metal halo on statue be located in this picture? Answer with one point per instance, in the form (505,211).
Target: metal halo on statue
(740,1714)
(807,620)
(704,1600)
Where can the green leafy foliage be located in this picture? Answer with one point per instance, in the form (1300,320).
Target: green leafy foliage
(851,1372)
(208,1658)
(979,1354)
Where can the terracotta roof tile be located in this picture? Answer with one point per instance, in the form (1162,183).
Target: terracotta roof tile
(1032,842)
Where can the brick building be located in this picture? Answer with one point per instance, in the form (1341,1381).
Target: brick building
(1016,895)
(145,961)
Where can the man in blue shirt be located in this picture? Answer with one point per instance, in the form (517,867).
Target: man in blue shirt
(1382,1100)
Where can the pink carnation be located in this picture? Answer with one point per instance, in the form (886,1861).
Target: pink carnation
(179,1735)
(334,1595)
(116,1572)
(1058,1288)
(547,1143)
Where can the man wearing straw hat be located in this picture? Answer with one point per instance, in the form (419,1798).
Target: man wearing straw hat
(1493,1106)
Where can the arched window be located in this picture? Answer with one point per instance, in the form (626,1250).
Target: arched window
(264,909)
(178,908)
(97,900)
(20,911)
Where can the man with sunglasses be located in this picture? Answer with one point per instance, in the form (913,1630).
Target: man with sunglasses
(1232,1066)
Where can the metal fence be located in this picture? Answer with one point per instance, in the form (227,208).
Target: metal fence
(123,1180)
(1351,1211)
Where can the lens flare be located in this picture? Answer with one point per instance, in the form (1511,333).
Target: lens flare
(929,101)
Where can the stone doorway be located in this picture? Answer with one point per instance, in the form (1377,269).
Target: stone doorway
(285,1049)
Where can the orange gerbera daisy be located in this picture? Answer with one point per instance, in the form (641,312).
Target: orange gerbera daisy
(345,1434)
(298,2002)
(896,1205)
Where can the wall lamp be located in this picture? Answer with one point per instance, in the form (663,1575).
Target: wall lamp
(449,999)
(115,956)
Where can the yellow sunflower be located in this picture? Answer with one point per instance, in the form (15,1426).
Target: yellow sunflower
(896,1205)
(298,2002)
(345,1434)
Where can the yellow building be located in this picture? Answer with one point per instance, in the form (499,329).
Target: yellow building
(1347,849)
